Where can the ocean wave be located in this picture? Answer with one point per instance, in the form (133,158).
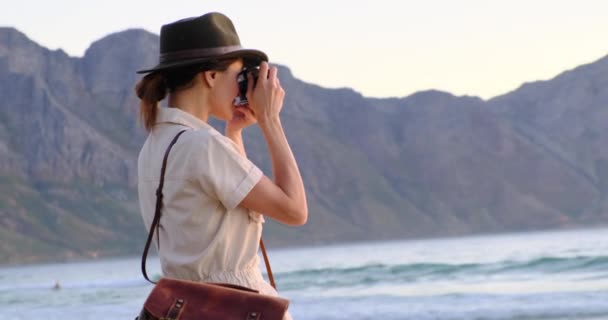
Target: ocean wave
(559,264)
(596,266)
(584,267)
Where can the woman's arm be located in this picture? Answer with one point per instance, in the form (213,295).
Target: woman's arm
(285,198)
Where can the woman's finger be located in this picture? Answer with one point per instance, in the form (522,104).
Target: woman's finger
(272,75)
(247,111)
(263,72)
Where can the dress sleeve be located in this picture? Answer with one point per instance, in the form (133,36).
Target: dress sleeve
(225,173)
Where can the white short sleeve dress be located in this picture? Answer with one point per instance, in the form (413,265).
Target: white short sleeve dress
(204,235)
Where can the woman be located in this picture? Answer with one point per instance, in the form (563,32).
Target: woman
(213,195)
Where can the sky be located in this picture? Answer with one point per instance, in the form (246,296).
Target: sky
(379,48)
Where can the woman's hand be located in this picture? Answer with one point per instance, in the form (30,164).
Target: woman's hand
(242,118)
(266,99)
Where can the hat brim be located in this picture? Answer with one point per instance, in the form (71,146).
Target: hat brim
(241,53)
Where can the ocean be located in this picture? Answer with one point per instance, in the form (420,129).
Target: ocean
(542,275)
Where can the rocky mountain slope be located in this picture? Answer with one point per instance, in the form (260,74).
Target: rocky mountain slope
(430,164)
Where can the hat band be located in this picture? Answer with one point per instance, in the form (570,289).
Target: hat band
(196,53)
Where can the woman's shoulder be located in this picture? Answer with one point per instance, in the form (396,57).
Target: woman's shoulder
(201,136)
(208,140)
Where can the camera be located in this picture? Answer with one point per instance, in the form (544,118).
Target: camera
(243,81)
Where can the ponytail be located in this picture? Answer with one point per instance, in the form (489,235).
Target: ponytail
(151,89)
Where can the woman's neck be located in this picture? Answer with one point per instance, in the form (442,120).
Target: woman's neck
(191,101)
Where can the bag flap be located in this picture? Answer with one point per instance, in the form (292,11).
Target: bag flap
(188,300)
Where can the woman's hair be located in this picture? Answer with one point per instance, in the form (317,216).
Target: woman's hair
(154,87)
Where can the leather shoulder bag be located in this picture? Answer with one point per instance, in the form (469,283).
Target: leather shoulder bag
(173,299)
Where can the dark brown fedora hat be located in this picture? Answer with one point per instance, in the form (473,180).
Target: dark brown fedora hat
(195,40)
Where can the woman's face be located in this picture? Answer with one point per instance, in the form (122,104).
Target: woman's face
(225,90)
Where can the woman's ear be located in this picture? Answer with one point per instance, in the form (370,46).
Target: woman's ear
(209,77)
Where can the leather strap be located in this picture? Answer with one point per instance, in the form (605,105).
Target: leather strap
(159,205)
(268,270)
(157,214)
(175,310)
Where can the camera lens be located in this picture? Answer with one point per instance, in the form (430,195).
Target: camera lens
(243,80)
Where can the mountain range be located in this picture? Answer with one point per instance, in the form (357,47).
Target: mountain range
(427,165)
